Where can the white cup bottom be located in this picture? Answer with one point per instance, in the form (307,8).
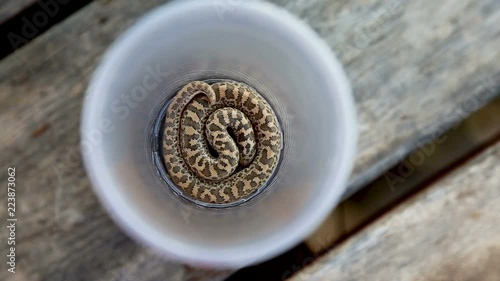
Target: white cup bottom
(255,43)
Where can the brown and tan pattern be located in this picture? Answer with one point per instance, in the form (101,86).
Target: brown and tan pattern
(42,85)
(203,115)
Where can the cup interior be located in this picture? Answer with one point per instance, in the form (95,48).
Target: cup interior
(255,43)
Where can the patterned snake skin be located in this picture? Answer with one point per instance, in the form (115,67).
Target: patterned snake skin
(234,121)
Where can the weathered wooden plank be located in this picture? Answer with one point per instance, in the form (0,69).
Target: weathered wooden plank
(65,234)
(416,67)
(447,232)
(23,20)
(478,131)
(8,9)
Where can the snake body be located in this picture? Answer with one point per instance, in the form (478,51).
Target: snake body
(221,142)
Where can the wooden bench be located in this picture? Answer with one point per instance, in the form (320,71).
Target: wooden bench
(447,232)
(417,69)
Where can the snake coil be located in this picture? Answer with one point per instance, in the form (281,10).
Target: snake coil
(221,142)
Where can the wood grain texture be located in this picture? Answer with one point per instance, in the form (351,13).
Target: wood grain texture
(65,233)
(416,68)
(447,232)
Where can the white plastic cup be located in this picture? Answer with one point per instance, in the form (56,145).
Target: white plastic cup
(252,42)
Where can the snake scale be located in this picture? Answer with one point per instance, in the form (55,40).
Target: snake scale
(221,142)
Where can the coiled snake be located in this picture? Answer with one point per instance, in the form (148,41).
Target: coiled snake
(202,115)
